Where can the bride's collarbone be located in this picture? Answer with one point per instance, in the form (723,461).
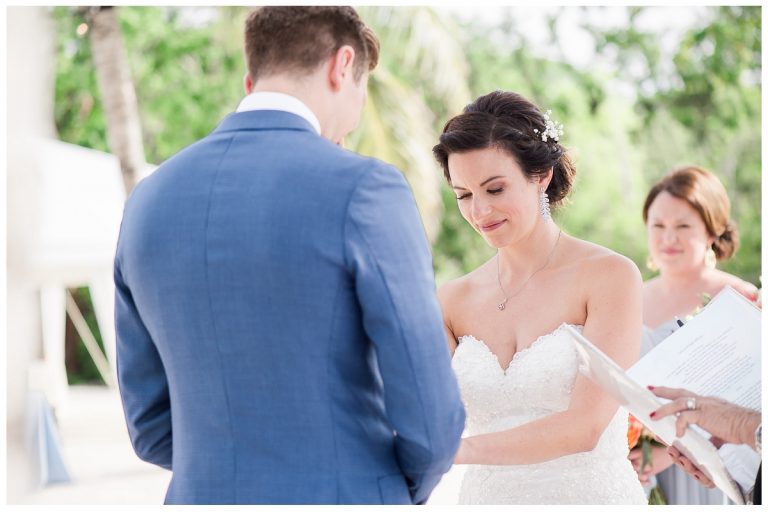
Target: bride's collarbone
(507,348)
(507,331)
(515,327)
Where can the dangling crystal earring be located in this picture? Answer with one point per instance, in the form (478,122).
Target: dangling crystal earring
(710,258)
(544,204)
(650,264)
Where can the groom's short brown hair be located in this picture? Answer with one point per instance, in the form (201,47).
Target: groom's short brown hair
(299,39)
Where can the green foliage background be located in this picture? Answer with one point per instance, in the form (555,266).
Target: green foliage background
(701,105)
(706,111)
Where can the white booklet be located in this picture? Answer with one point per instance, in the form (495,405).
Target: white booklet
(716,353)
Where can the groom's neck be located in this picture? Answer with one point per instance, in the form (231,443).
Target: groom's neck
(310,89)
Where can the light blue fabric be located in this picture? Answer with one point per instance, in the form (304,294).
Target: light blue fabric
(45,441)
(278,335)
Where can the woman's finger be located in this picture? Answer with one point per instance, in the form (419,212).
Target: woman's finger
(702,478)
(679,405)
(684,419)
(670,393)
(687,464)
(690,468)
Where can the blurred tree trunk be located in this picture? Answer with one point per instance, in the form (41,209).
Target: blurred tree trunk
(118,94)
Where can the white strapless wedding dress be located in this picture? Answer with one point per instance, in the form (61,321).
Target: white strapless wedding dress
(538,382)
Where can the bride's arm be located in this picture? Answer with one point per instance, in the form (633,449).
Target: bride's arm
(613,300)
(445,297)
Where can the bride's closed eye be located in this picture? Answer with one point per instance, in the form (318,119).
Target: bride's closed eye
(492,191)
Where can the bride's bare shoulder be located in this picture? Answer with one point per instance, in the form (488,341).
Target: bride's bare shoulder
(598,264)
(462,287)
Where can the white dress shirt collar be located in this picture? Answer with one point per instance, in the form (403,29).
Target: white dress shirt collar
(279,101)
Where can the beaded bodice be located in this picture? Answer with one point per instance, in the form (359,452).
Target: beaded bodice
(538,382)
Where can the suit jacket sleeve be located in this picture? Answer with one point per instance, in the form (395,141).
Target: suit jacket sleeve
(388,255)
(142,380)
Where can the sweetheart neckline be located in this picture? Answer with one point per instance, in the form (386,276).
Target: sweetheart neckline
(520,353)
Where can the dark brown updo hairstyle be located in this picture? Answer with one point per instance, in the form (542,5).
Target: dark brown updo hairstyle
(510,122)
(707,195)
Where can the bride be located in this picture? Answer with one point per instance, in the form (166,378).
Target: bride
(538,431)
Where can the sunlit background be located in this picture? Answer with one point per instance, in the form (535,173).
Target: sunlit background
(99,96)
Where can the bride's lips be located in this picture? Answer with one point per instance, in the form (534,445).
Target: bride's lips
(491,226)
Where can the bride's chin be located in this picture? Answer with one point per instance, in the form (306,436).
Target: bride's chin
(495,243)
(497,238)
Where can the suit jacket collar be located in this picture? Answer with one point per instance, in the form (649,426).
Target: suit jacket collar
(264,120)
(272,100)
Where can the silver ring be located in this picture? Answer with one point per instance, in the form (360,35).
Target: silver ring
(677,414)
(690,404)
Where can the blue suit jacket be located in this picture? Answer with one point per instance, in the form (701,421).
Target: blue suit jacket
(278,335)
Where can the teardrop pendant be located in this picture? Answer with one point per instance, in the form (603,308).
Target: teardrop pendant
(501,305)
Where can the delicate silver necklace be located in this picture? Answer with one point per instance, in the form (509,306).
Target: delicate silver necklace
(503,304)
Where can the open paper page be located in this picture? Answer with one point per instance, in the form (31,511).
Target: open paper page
(639,401)
(717,353)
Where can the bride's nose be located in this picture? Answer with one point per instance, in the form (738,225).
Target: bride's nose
(480,208)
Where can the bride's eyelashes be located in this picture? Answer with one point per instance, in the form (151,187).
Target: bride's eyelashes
(492,191)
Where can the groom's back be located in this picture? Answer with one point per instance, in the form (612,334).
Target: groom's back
(234,252)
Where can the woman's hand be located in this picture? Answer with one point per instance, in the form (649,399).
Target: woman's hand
(688,466)
(726,421)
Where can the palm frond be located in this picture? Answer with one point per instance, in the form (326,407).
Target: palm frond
(397,128)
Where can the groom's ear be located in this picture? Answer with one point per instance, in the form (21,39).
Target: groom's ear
(341,66)
(248,83)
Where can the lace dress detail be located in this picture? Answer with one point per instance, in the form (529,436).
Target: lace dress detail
(538,382)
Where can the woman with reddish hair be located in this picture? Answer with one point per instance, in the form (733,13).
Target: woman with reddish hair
(689,229)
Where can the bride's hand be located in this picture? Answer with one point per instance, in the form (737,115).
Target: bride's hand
(660,460)
(636,457)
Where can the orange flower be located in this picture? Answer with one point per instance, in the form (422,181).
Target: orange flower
(634,431)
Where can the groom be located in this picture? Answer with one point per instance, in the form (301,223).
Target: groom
(278,336)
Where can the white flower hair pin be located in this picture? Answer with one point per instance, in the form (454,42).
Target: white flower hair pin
(554,129)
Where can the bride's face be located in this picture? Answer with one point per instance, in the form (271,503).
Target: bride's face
(494,196)
(677,235)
